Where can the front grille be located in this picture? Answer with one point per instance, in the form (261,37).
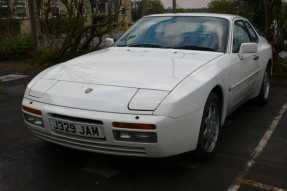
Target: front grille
(92,146)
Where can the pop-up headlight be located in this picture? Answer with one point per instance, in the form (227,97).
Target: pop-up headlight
(147,100)
(41,87)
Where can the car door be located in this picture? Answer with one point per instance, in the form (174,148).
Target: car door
(244,71)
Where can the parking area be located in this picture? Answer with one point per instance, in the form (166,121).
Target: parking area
(265,162)
(251,155)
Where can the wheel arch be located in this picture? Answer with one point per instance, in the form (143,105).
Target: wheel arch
(218,90)
(270,65)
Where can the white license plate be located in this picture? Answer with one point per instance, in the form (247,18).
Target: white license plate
(85,130)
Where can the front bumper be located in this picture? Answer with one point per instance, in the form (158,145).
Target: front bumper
(174,136)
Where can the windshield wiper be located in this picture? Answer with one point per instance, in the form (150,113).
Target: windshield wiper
(144,45)
(194,48)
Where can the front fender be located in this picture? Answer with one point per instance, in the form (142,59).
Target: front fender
(191,94)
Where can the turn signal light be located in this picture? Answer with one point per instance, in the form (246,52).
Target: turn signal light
(134,126)
(31,110)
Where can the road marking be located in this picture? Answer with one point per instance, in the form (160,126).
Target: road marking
(257,152)
(11,77)
(259,185)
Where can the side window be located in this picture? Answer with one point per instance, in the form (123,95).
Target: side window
(55,9)
(20,10)
(252,33)
(240,35)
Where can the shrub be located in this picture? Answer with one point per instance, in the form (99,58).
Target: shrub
(49,58)
(15,48)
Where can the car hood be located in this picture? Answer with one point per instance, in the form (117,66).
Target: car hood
(158,69)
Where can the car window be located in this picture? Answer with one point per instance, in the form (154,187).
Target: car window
(178,32)
(240,35)
(252,33)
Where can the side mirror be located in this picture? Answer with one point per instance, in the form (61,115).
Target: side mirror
(247,48)
(109,42)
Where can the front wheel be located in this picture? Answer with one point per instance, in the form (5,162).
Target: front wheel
(209,129)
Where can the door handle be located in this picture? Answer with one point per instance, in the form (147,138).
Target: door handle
(256,57)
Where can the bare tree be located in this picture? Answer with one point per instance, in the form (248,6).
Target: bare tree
(267,15)
(72,35)
(144,7)
(32,22)
(8,27)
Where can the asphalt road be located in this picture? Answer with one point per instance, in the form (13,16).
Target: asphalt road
(251,155)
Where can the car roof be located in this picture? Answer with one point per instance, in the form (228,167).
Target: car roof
(225,16)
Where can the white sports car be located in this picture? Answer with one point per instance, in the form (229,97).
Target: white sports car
(164,88)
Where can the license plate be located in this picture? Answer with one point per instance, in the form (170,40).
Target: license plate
(85,130)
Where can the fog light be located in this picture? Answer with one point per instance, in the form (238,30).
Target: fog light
(131,136)
(34,120)
(30,118)
(38,122)
(125,135)
(142,136)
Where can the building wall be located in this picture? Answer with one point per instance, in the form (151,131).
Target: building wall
(18,11)
(58,6)
(126,18)
(25,27)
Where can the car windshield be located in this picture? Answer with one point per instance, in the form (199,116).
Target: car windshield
(178,32)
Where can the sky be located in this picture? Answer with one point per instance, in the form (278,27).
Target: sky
(187,3)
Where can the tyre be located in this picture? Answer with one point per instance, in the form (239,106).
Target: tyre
(263,96)
(209,130)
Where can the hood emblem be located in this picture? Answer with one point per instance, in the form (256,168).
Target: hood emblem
(88,90)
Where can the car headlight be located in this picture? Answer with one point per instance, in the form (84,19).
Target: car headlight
(39,76)
(41,87)
(133,136)
(147,100)
(38,86)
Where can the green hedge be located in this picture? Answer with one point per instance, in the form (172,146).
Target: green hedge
(15,48)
